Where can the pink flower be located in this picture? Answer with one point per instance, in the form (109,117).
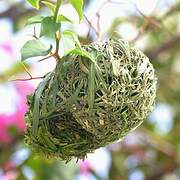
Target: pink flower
(7,47)
(9,166)
(85,167)
(10,175)
(16,119)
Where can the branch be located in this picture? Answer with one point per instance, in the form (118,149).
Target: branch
(91,26)
(15,12)
(155,52)
(175,8)
(160,171)
(52,55)
(58,4)
(8,146)
(28,79)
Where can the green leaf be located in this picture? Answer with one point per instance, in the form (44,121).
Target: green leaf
(50,5)
(78,5)
(123,47)
(86,54)
(74,36)
(72,99)
(34,3)
(83,53)
(67,44)
(45,137)
(34,48)
(91,86)
(49,27)
(38,93)
(100,78)
(62,18)
(34,20)
(125,50)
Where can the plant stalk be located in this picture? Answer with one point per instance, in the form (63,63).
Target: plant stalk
(58,4)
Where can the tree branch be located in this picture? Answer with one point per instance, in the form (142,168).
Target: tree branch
(15,12)
(160,171)
(155,52)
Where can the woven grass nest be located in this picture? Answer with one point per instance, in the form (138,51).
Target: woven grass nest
(84,105)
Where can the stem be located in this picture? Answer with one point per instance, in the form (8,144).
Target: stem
(57,34)
(57,37)
(51,55)
(58,4)
(29,79)
(26,69)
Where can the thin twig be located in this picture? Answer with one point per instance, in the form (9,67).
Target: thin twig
(58,4)
(98,22)
(28,79)
(26,69)
(149,24)
(91,26)
(34,34)
(98,15)
(52,55)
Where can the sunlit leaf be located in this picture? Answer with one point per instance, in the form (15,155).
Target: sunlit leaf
(78,5)
(50,5)
(35,20)
(86,54)
(67,44)
(34,48)
(34,3)
(74,36)
(83,53)
(63,18)
(69,41)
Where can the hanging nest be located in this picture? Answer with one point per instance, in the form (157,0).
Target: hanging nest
(84,105)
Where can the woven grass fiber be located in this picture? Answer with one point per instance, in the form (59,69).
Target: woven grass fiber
(84,105)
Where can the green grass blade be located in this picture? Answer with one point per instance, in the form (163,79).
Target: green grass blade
(37,96)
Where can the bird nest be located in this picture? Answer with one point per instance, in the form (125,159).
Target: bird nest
(84,105)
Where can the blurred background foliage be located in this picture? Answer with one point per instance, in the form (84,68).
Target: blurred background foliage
(152,151)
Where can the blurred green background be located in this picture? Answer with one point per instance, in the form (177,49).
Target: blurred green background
(152,151)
